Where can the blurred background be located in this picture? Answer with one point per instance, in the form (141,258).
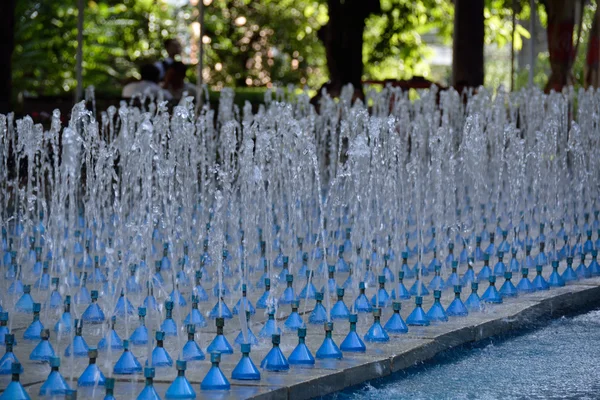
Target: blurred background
(253,45)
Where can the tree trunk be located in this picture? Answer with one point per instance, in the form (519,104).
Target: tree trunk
(592,62)
(342,37)
(7,28)
(561,22)
(467,44)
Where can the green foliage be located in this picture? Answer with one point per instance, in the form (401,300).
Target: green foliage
(578,70)
(394,47)
(250,42)
(117,35)
(540,74)
(265,42)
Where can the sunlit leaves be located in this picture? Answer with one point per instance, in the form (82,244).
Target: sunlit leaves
(116,38)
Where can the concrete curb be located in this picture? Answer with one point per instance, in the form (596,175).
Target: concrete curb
(531,308)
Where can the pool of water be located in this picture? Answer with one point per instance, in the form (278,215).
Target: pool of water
(558,361)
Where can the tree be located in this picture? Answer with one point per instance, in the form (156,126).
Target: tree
(467,44)
(118,34)
(7,20)
(342,37)
(394,45)
(261,43)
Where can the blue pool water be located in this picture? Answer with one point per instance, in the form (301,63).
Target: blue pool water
(558,361)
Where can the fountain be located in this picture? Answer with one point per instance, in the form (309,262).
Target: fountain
(194,215)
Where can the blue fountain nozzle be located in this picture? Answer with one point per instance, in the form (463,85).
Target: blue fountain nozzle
(216,357)
(92,352)
(245,348)
(404,254)
(538,268)
(9,339)
(276,339)
(353,318)
(4,316)
(486,257)
(454,264)
(54,281)
(555,264)
(181,365)
(94,295)
(492,278)
(513,251)
(451,246)
(401,275)
(474,286)
(191,329)
(36,308)
(55,362)
(396,306)
(361,285)
(295,304)
(169,305)
(418,300)
(160,335)
(525,271)
(15,368)
(109,384)
(340,292)
(289,278)
(26,289)
(570,260)
(381,279)
(376,312)
(500,254)
(319,296)
(141,311)
(457,289)
(508,275)
(149,372)
(301,332)
(437,294)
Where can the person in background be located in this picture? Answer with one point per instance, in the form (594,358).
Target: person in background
(175,82)
(148,85)
(174,49)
